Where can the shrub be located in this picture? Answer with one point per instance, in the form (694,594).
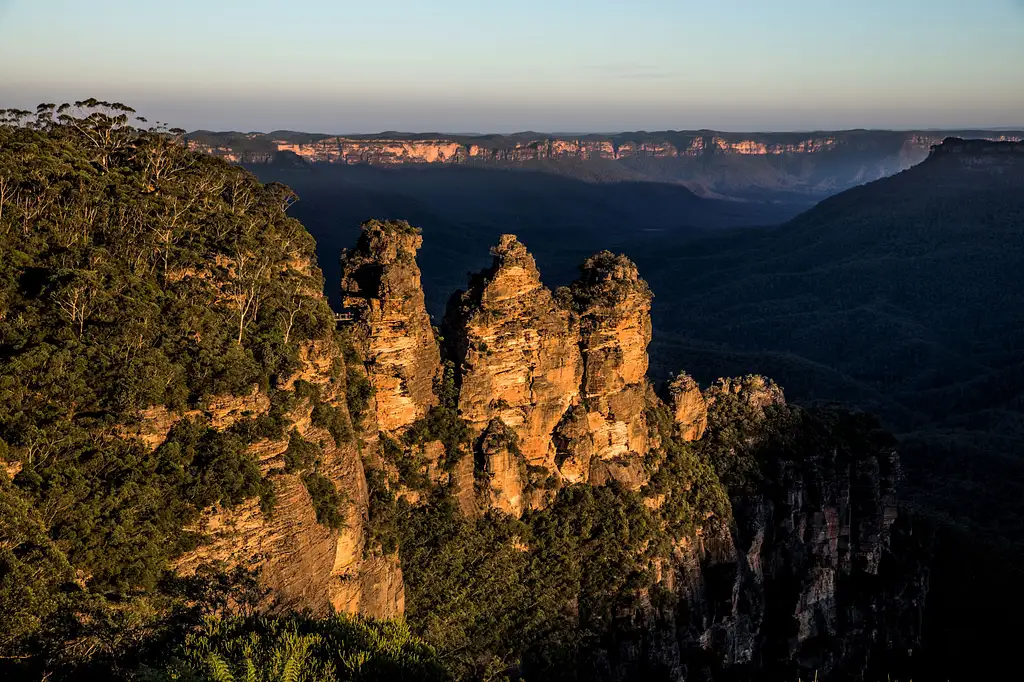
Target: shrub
(302,649)
(327,501)
(301,454)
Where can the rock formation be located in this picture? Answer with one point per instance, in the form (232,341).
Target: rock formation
(688,407)
(304,563)
(612,304)
(623,147)
(809,577)
(803,575)
(382,290)
(711,164)
(516,352)
(504,467)
(755,391)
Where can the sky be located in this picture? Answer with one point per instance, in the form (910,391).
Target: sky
(340,66)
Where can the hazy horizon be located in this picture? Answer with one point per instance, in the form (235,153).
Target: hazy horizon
(581,133)
(452,65)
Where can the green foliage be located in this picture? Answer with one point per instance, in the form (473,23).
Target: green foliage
(734,429)
(31,571)
(358,391)
(382,530)
(539,592)
(333,419)
(407,460)
(133,273)
(301,454)
(327,501)
(298,649)
(443,423)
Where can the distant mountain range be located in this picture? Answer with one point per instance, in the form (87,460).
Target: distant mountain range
(790,167)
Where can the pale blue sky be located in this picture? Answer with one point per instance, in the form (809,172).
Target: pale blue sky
(496,66)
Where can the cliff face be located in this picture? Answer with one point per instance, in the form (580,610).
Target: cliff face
(689,408)
(504,467)
(815,574)
(259,148)
(612,304)
(382,291)
(807,572)
(516,352)
(302,562)
(519,148)
(712,164)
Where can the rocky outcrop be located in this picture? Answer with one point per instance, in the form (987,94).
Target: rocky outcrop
(504,468)
(382,291)
(304,564)
(689,409)
(816,574)
(516,352)
(807,584)
(754,391)
(612,305)
(574,443)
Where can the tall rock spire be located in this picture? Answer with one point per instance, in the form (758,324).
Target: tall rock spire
(613,305)
(517,352)
(381,287)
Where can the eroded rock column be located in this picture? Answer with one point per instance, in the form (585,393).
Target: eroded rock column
(382,290)
(612,304)
(517,351)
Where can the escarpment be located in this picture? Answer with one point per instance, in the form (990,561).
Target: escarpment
(815,571)
(382,290)
(311,549)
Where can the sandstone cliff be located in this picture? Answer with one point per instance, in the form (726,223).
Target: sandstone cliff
(258,148)
(815,573)
(689,407)
(516,352)
(504,468)
(304,563)
(612,304)
(382,290)
(799,572)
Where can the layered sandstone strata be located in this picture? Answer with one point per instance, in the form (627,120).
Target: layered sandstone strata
(382,291)
(517,353)
(612,304)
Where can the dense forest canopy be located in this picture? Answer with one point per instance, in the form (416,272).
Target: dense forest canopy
(133,274)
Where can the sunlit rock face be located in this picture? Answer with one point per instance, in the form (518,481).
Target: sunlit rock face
(304,564)
(382,291)
(612,304)
(504,468)
(517,352)
(754,390)
(689,409)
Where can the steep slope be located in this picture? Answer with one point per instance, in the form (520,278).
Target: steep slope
(515,352)
(908,288)
(612,304)
(187,432)
(174,401)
